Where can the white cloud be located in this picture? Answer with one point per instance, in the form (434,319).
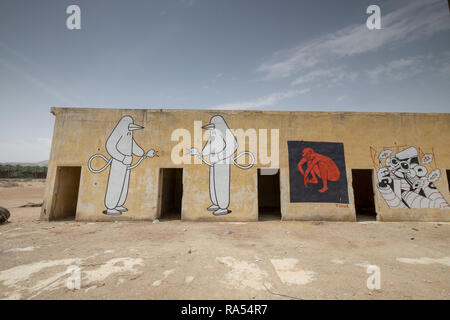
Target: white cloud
(188,3)
(21,150)
(266,101)
(445,66)
(341,98)
(396,70)
(446,69)
(334,75)
(23,72)
(416,19)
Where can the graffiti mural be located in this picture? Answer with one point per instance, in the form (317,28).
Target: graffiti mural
(320,166)
(121,147)
(317,172)
(220,148)
(406,179)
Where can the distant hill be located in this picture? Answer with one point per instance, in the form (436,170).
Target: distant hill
(43,163)
(27,164)
(21,170)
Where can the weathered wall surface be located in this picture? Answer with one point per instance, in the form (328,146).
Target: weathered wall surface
(81,133)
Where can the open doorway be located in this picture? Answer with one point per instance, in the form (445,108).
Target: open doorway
(65,193)
(363,195)
(448,179)
(269,194)
(170,193)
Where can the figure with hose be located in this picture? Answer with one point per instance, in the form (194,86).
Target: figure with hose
(121,147)
(220,148)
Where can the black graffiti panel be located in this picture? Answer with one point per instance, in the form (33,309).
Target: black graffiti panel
(317,172)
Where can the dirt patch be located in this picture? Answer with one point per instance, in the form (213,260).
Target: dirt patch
(201,260)
(8,184)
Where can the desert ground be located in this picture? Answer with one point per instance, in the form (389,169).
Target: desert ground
(200,260)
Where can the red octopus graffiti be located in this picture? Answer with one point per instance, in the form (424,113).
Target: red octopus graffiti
(320,166)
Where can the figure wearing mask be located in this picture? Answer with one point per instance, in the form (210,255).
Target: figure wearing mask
(121,147)
(220,148)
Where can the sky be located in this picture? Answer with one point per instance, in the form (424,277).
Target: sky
(294,55)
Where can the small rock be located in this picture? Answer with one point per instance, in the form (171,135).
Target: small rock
(412,238)
(190,251)
(155,221)
(228,232)
(4,215)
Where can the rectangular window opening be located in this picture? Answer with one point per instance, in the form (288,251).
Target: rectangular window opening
(269,194)
(67,185)
(171,193)
(363,195)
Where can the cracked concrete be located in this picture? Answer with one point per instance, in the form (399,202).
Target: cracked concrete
(197,260)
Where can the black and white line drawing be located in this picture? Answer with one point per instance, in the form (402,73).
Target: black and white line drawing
(404,181)
(220,147)
(121,147)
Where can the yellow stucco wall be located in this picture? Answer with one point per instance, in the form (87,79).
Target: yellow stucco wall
(80,133)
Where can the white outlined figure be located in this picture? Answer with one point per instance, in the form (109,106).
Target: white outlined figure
(121,147)
(220,148)
(403,181)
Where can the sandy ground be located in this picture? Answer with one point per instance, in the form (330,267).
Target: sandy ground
(187,260)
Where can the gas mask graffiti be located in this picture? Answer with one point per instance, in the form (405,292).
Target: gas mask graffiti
(404,182)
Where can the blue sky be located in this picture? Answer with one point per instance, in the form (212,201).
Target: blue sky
(230,54)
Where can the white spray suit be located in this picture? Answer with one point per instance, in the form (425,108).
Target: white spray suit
(120,146)
(220,148)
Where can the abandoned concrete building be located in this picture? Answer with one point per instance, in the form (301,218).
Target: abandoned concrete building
(214,165)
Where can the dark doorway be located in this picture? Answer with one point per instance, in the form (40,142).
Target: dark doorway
(65,193)
(363,194)
(171,192)
(269,194)
(448,179)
